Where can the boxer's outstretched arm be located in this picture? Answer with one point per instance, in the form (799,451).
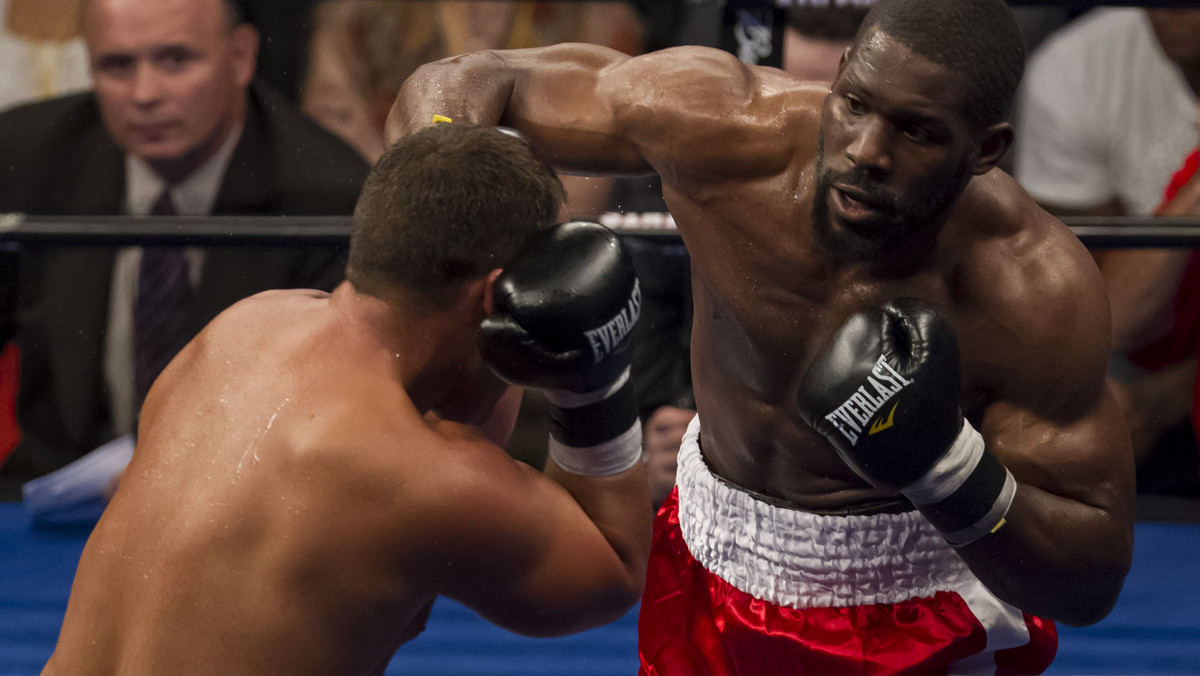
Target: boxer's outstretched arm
(551,95)
(594,110)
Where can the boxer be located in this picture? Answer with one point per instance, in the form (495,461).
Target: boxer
(309,476)
(939,510)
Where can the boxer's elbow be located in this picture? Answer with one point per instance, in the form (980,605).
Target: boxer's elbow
(1095,594)
(605,613)
(1072,578)
(595,611)
(609,605)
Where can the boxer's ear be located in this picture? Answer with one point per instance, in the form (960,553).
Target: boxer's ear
(841,66)
(489,302)
(991,148)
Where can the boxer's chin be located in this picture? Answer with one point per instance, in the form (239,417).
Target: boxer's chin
(865,241)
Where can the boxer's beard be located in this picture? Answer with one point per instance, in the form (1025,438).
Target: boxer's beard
(874,239)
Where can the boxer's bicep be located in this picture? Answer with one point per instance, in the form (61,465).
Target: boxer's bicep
(1085,459)
(700,116)
(695,112)
(517,548)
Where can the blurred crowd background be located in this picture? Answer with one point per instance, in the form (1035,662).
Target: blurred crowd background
(1106,125)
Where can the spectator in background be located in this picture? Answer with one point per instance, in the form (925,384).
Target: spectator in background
(1107,110)
(175,117)
(361,51)
(1155,298)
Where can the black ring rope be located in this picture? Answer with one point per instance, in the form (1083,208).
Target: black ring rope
(1101,232)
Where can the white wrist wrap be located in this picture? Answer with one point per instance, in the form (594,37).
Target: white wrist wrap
(984,502)
(595,416)
(950,471)
(611,457)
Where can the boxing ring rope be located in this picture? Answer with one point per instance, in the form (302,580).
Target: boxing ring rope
(18,230)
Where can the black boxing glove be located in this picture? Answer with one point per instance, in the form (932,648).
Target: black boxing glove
(884,392)
(564,312)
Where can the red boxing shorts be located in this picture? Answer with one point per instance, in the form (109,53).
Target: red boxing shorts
(739,586)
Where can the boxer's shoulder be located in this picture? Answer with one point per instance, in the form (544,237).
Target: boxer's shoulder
(1010,249)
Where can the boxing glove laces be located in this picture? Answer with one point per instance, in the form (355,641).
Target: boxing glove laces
(564,312)
(885,393)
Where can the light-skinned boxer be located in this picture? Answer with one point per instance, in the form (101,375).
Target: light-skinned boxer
(309,476)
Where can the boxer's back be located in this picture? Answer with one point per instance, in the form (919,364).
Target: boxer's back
(226,548)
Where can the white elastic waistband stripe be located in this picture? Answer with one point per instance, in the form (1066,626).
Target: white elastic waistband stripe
(798,559)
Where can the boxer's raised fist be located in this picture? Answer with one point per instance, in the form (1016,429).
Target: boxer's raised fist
(565,308)
(884,392)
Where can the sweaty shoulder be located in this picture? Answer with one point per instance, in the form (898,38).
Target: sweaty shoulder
(263,313)
(698,112)
(1034,322)
(440,487)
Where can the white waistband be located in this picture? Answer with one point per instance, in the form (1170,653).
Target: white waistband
(798,559)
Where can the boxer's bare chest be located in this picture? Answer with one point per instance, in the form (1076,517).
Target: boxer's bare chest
(759,323)
(762,319)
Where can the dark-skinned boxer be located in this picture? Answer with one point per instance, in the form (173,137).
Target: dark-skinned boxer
(803,205)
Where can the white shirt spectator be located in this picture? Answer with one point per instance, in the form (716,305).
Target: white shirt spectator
(1103,115)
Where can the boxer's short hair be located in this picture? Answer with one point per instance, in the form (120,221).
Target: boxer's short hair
(447,204)
(979,38)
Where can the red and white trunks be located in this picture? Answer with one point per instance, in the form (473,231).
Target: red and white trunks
(738,586)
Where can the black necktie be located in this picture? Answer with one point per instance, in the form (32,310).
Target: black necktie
(162,311)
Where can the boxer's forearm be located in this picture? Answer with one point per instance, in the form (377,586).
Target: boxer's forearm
(500,424)
(1055,558)
(472,87)
(571,101)
(1067,541)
